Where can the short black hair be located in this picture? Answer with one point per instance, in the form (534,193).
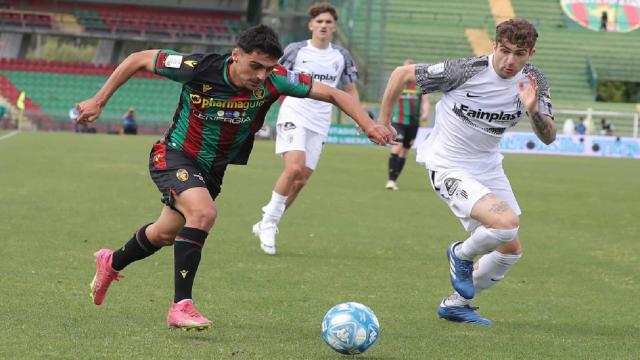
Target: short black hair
(260,38)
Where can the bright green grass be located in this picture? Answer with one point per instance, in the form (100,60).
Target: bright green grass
(573,296)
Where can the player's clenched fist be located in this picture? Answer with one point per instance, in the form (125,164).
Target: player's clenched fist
(380,134)
(88,111)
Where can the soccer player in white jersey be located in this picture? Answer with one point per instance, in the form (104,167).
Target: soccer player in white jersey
(303,125)
(482,97)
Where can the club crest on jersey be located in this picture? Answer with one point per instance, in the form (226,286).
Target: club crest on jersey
(182,175)
(259,93)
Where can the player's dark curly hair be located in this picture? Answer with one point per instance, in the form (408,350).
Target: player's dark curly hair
(260,38)
(519,32)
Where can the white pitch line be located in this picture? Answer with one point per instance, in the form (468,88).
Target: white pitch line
(4,137)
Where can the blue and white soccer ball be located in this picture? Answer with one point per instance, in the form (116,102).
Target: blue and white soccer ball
(350,328)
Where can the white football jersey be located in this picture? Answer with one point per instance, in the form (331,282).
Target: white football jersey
(476,108)
(330,66)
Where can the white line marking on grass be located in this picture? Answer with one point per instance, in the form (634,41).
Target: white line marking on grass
(4,137)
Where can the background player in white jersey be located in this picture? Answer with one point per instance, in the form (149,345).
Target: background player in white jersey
(482,97)
(302,126)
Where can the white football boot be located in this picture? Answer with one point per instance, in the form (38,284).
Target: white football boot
(391,185)
(266,231)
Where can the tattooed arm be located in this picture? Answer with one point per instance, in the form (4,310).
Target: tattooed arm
(542,125)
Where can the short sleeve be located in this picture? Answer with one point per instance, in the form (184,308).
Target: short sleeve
(288,59)
(448,75)
(176,66)
(288,82)
(350,72)
(544,92)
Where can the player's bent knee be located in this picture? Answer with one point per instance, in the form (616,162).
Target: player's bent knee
(202,218)
(511,221)
(294,172)
(504,235)
(513,247)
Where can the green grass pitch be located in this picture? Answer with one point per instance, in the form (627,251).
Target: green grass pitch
(574,295)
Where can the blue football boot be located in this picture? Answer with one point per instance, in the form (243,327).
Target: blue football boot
(461,273)
(464,314)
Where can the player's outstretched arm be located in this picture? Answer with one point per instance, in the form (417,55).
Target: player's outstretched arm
(352,90)
(399,79)
(424,112)
(90,109)
(543,125)
(347,103)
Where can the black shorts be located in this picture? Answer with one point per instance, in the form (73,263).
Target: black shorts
(406,134)
(174,172)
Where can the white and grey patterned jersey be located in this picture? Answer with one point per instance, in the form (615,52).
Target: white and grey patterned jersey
(330,66)
(476,108)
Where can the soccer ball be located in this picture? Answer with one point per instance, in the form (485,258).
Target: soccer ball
(350,328)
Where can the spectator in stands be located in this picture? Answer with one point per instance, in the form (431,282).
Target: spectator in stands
(3,110)
(129,124)
(604,18)
(580,128)
(222,104)
(606,127)
(303,124)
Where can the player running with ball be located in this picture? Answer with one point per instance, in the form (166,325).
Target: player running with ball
(482,97)
(222,104)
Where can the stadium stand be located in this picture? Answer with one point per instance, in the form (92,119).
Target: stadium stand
(386,33)
(54,87)
(120,19)
(380,33)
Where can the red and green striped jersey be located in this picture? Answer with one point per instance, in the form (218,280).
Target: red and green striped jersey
(407,110)
(215,123)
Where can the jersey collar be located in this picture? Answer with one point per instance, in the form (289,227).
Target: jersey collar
(227,64)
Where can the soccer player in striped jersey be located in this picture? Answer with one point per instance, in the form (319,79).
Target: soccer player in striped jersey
(303,124)
(482,98)
(222,104)
(411,110)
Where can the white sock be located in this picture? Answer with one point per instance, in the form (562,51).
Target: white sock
(275,208)
(482,241)
(491,269)
(455,299)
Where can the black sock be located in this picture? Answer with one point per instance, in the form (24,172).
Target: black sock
(186,255)
(137,248)
(393,160)
(399,166)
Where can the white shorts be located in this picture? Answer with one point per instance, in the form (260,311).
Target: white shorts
(293,136)
(461,190)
